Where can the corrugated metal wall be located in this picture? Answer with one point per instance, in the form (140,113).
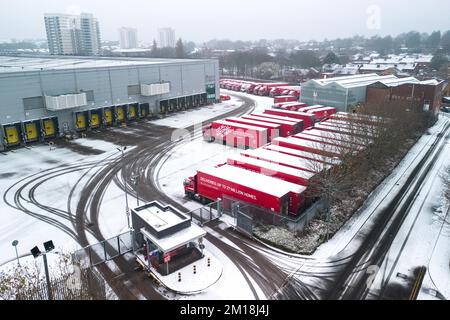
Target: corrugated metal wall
(108,85)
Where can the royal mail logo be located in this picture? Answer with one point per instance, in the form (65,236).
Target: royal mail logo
(223,130)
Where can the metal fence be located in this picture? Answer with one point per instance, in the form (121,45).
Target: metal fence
(207,213)
(107,250)
(248,216)
(84,285)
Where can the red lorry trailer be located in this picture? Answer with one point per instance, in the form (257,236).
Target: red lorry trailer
(363,118)
(341,129)
(352,124)
(300,177)
(307,108)
(286,128)
(213,183)
(291,106)
(303,154)
(281,99)
(339,145)
(308,119)
(323,113)
(273,130)
(348,138)
(309,146)
(349,128)
(235,134)
(298,163)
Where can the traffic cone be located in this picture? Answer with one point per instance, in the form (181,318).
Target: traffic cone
(195,269)
(209,262)
(179,276)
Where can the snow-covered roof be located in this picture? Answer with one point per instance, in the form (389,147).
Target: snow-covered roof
(176,240)
(354,81)
(285,159)
(302,154)
(269,167)
(253,122)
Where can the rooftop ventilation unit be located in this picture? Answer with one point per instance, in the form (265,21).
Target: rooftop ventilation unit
(66,101)
(148,90)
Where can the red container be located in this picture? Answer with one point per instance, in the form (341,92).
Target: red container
(291,106)
(235,134)
(308,119)
(273,130)
(302,154)
(281,99)
(339,145)
(308,108)
(343,137)
(323,113)
(344,128)
(309,146)
(286,160)
(361,118)
(272,116)
(286,128)
(214,183)
(300,177)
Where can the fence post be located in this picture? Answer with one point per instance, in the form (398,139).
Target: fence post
(104,250)
(118,244)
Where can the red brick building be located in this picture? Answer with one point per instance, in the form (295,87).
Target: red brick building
(427,94)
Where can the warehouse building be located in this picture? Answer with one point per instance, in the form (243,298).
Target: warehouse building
(45,97)
(426,95)
(342,92)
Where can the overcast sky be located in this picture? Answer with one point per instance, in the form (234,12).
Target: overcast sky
(201,20)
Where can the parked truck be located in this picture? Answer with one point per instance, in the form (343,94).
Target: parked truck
(291,106)
(273,130)
(322,114)
(235,134)
(308,119)
(300,177)
(213,183)
(287,128)
(281,99)
(305,145)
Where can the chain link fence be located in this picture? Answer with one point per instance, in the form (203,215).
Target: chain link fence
(207,213)
(107,250)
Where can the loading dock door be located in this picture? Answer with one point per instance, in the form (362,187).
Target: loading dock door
(12,135)
(81,121)
(120,114)
(108,117)
(49,128)
(132,112)
(95,120)
(31,132)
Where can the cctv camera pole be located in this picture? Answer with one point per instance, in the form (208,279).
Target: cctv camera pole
(47,277)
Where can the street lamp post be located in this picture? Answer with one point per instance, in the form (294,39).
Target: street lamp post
(127,208)
(15,243)
(36,253)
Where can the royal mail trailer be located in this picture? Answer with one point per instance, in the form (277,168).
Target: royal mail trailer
(308,108)
(273,116)
(309,146)
(281,99)
(291,106)
(235,134)
(344,137)
(323,113)
(308,119)
(298,163)
(287,128)
(358,118)
(351,124)
(273,130)
(303,154)
(300,177)
(213,183)
(344,128)
(339,145)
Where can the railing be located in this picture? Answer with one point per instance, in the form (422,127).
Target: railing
(107,250)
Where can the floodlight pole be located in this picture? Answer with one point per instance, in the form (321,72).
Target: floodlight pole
(127,209)
(47,277)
